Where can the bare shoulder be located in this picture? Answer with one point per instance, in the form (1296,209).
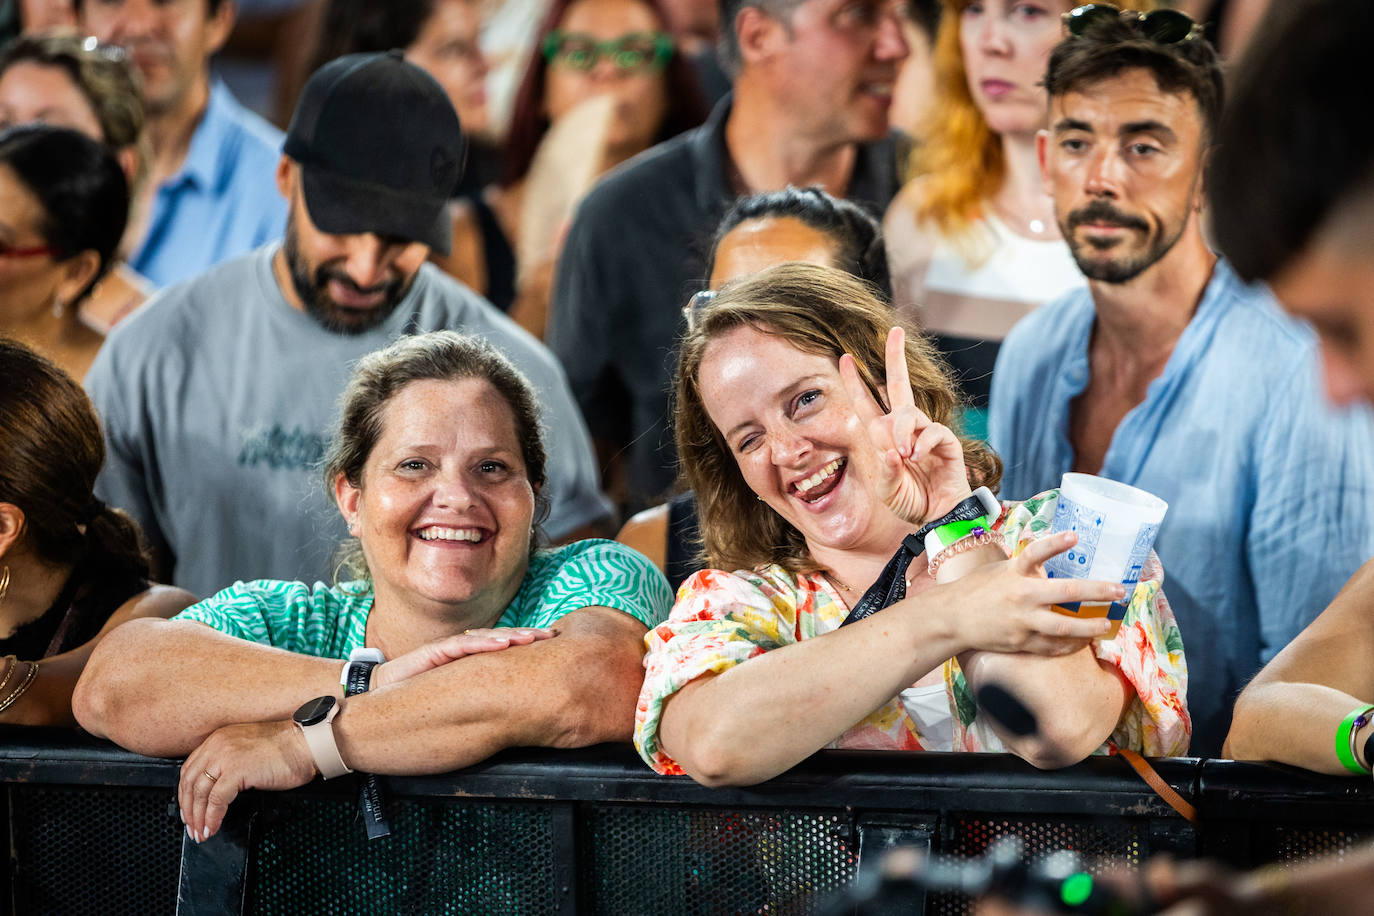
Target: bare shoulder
(156,601)
(647,532)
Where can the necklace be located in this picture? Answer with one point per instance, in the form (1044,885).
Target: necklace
(836,582)
(1034,225)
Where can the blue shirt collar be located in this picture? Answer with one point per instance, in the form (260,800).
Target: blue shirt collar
(207,158)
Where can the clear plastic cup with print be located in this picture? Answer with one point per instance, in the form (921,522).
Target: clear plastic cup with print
(1116,526)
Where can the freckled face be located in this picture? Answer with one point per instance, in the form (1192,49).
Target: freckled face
(445,509)
(787,419)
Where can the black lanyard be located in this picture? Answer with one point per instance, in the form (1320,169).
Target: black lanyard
(890,586)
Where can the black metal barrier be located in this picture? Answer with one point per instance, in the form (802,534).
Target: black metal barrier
(93,829)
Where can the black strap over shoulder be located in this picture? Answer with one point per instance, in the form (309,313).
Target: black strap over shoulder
(891,584)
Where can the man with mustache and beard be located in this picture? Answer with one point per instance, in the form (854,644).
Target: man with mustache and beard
(217,400)
(1170,374)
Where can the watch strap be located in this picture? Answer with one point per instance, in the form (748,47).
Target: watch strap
(324,748)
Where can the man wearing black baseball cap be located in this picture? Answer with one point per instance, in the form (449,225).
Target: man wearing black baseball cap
(217,396)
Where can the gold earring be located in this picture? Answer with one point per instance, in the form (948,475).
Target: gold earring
(4,582)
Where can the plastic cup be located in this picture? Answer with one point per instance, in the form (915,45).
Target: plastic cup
(1116,526)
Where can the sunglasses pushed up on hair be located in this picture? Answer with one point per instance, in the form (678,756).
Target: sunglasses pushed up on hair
(1166,27)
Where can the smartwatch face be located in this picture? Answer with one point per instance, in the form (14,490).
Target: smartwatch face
(313,711)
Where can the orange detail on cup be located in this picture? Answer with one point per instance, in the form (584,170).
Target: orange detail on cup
(1086,610)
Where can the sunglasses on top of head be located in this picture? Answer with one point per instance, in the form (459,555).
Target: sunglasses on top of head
(1167,27)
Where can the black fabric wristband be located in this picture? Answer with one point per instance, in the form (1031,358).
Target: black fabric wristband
(370,796)
(359,678)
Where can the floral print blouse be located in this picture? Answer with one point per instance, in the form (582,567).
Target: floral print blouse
(724,619)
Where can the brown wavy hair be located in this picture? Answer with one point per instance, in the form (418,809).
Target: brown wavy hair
(105,79)
(818,310)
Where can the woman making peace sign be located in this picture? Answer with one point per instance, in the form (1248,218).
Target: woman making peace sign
(807,483)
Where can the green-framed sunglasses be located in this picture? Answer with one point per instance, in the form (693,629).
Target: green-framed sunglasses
(635,52)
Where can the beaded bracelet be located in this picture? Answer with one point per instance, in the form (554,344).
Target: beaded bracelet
(979,537)
(1345,739)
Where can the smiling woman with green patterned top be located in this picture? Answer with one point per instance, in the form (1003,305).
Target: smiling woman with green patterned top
(490,643)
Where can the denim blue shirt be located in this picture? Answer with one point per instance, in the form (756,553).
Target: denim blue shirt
(1269,488)
(224,201)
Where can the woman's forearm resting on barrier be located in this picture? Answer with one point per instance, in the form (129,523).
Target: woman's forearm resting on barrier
(162,687)
(759,718)
(1292,709)
(765,715)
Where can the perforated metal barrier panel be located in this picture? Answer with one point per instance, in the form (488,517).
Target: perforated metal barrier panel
(1101,844)
(103,852)
(651,860)
(92,830)
(312,856)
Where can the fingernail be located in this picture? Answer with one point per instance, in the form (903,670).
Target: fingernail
(205,834)
(182,814)
(188,829)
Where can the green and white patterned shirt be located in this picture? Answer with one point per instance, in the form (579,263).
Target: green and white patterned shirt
(331,621)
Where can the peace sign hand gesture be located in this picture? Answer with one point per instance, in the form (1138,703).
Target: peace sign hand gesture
(920,462)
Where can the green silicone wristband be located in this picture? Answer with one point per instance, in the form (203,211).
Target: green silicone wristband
(954,531)
(1343,751)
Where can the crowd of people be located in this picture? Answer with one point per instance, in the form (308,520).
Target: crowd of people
(313,439)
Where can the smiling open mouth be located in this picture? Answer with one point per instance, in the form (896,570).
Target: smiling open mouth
(441,533)
(820,483)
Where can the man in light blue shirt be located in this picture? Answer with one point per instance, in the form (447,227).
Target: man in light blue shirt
(1170,374)
(210,192)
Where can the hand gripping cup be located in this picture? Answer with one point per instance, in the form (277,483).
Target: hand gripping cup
(1116,526)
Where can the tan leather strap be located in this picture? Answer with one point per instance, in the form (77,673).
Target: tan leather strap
(1156,782)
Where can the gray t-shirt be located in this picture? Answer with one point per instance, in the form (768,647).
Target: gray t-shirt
(218,400)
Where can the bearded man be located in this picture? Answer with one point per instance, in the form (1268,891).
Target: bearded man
(1168,373)
(217,396)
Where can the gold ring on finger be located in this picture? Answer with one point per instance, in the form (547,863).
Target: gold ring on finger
(212,776)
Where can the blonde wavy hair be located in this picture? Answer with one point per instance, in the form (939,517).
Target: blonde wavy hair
(818,310)
(960,156)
